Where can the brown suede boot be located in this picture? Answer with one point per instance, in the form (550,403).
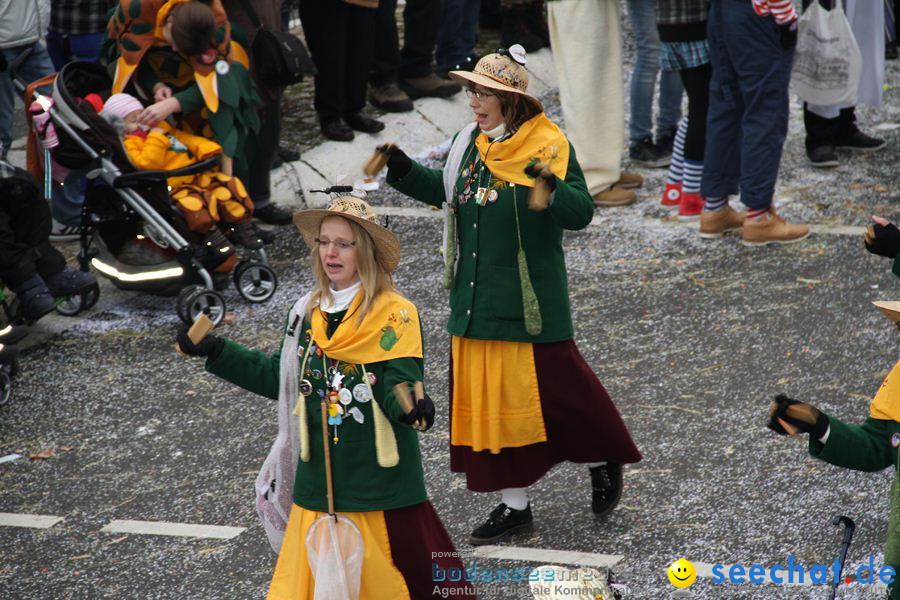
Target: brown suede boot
(772,229)
(615,196)
(714,223)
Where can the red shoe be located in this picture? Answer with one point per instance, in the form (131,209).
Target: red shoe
(671,198)
(691,206)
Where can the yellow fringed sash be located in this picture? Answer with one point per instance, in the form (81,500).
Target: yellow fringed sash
(389,330)
(537,139)
(886,403)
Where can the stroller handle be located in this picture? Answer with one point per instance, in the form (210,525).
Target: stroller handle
(130,179)
(17,62)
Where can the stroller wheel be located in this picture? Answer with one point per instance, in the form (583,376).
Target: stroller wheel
(255,282)
(72,305)
(181,302)
(5,385)
(200,300)
(90,296)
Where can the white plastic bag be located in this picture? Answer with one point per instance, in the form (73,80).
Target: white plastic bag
(335,550)
(827,63)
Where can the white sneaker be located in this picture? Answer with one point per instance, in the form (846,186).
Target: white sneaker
(64,233)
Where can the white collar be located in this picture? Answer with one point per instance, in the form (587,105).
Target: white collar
(496,132)
(341,299)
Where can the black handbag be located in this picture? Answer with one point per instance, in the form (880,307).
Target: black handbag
(280,57)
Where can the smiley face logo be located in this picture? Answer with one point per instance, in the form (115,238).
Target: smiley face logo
(682,573)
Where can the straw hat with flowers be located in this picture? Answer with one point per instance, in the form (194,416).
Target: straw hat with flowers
(387,246)
(503,71)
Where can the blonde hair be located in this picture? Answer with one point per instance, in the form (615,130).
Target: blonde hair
(374,278)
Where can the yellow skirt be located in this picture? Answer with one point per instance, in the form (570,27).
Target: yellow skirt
(496,402)
(381,580)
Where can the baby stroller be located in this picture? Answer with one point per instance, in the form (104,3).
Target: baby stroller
(130,231)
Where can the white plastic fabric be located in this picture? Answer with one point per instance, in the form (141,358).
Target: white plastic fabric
(827,63)
(275,482)
(865,17)
(335,549)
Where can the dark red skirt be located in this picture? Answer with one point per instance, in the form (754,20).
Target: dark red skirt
(582,424)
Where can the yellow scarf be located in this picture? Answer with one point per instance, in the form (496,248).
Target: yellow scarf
(389,330)
(886,403)
(538,139)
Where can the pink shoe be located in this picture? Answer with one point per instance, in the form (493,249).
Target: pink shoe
(671,198)
(691,206)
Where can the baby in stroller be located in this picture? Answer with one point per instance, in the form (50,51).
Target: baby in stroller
(210,202)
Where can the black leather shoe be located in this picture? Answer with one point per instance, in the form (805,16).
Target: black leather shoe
(361,122)
(822,157)
(503,522)
(288,154)
(337,130)
(606,482)
(859,142)
(273,214)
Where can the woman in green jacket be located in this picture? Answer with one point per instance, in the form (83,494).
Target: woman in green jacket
(356,343)
(522,397)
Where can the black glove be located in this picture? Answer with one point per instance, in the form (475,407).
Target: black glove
(211,346)
(788,33)
(883,240)
(424,411)
(532,170)
(802,416)
(398,162)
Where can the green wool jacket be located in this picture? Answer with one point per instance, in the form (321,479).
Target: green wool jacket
(486,298)
(360,484)
(868,447)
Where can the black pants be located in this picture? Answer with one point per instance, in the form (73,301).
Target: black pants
(259,185)
(420,26)
(341,39)
(696,85)
(25,248)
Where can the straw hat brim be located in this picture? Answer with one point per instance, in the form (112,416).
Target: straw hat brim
(387,245)
(465,77)
(890,308)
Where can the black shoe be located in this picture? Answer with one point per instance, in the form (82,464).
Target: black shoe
(503,522)
(266,235)
(859,142)
(276,162)
(287,153)
(34,298)
(647,154)
(69,281)
(12,334)
(337,130)
(244,234)
(273,214)
(364,123)
(606,483)
(666,142)
(822,157)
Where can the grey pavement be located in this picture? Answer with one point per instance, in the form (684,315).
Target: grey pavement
(691,338)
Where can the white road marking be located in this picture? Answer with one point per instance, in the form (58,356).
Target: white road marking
(545,556)
(173,529)
(26,520)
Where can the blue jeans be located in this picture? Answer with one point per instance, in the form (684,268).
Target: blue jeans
(643,79)
(65,48)
(38,65)
(457,32)
(748,104)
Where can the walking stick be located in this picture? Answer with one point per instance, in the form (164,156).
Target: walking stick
(849,528)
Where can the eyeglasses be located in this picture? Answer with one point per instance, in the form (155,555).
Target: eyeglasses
(339,244)
(476,94)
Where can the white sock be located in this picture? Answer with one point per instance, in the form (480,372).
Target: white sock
(515,498)
(592,465)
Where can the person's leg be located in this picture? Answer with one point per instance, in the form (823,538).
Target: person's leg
(325,28)
(820,139)
(670,92)
(260,180)
(469,30)
(36,66)
(386,52)
(722,165)
(360,40)
(85,47)
(57,48)
(587,53)
(421,19)
(646,67)
(449,50)
(696,82)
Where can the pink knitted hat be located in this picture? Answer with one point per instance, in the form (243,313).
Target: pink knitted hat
(121,105)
